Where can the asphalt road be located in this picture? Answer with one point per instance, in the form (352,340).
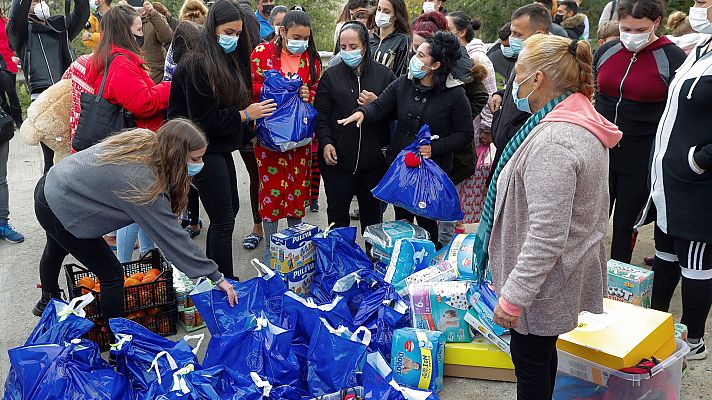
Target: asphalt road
(19,276)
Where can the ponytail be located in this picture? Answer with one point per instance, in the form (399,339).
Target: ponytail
(464,23)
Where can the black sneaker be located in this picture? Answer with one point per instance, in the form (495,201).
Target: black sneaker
(44,301)
(698,351)
(314,206)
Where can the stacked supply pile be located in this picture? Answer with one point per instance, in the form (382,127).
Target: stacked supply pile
(383,237)
(188,316)
(293,256)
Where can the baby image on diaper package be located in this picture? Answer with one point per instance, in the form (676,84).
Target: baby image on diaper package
(442,306)
(418,358)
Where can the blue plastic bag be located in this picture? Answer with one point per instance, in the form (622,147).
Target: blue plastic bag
(216,383)
(137,348)
(61,322)
(358,285)
(425,190)
(292,124)
(378,384)
(71,371)
(262,294)
(382,312)
(260,347)
(305,314)
(335,356)
(418,358)
(337,255)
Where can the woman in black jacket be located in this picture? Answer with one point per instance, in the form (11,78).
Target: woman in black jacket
(390,43)
(212,87)
(350,157)
(423,97)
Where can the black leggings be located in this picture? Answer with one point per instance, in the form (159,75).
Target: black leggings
(193,207)
(535,362)
(217,187)
(10,101)
(628,188)
(341,186)
(94,254)
(675,258)
(429,225)
(248,157)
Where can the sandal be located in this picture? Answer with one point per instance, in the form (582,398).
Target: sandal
(251,241)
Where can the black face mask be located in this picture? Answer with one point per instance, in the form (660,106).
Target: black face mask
(139,40)
(558,18)
(267,9)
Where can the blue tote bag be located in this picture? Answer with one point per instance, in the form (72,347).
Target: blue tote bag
(292,124)
(424,190)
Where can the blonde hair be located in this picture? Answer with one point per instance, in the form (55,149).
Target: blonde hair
(165,150)
(566,62)
(608,30)
(679,24)
(193,10)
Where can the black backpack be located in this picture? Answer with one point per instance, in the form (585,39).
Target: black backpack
(7,126)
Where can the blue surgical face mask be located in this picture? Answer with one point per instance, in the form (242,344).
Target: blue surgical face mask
(228,43)
(297,46)
(352,58)
(194,168)
(522,104)
(507,51)
(416,68)
(516,44)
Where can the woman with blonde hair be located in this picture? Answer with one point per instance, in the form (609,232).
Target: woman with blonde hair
(194,11)
(546,211)
(137,176)
(682,33)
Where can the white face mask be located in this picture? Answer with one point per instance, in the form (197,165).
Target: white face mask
(699,21)
(428,7)
(41,11)
(636,41)
(382,20)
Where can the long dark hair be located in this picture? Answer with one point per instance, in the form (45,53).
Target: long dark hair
(187,38)
(300,18)
(363,36)
(227,73)
(445,48)
(116,31)
(401,16)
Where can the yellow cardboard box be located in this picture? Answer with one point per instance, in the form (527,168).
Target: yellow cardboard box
(622,336)
(479,359)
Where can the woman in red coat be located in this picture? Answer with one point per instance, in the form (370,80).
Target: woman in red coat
(128,83)
(285,178)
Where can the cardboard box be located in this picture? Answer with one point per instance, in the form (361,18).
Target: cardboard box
(622,336)
(292,248)
(479,359)
(299,280)
(629,283)
(485,329)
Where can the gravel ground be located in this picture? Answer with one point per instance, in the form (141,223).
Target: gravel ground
(18,276)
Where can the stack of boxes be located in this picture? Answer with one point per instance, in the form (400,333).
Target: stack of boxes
(293,256)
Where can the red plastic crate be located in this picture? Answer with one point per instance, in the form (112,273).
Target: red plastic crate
(138,297)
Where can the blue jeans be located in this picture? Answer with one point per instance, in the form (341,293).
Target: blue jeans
(126,239)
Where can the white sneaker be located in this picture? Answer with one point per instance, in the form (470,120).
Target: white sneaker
(698,351)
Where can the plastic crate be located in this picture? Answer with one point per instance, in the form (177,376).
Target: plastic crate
(576,375)
(164,323)
(146,295)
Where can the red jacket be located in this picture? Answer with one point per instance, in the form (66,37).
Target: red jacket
(264,59)
(5,50)
(129,85)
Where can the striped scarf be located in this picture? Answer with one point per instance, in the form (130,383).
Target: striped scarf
(482,237)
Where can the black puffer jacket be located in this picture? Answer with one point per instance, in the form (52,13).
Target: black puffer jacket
(446,111)
(45,49)
(358,149)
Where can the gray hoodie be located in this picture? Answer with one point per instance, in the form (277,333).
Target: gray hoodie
(86,198)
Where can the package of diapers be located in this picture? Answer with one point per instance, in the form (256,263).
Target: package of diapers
(442,306)
(461,252)
(383,236)
(441,272)
(418,358)
(409,256)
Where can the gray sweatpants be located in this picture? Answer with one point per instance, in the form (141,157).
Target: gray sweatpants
(4,192)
